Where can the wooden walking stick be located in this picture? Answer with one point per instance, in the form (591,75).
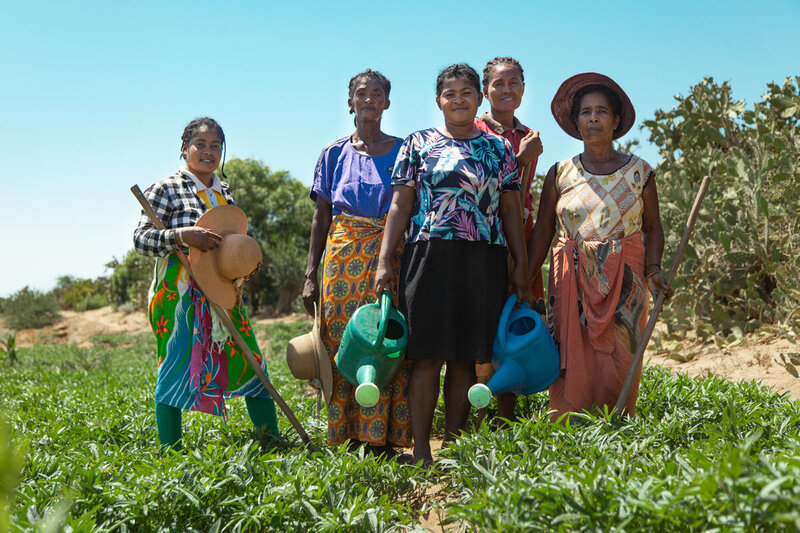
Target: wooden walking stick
(228,323)
(651,323)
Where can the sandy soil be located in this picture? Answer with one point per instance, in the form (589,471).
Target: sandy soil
(754,359)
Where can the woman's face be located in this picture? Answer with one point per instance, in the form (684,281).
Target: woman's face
(368,101)
(596,119)
(505,88)
(459,101)
(203,152)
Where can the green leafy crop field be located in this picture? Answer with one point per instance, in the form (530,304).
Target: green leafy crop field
(702,454)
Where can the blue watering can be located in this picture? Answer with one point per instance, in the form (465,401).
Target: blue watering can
(372,348)
(524,355)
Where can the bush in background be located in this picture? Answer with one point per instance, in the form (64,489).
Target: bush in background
(742,264)
(29,308)
(130,280)
(279,214)
(81,294)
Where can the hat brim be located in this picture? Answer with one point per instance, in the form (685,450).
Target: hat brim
(302,367)
(222,220)
(561,106)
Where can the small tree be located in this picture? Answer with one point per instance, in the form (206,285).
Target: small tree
(279,215)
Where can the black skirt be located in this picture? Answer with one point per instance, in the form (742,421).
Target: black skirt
(452,293)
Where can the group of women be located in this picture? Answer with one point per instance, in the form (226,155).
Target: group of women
(439,218)
(454,193)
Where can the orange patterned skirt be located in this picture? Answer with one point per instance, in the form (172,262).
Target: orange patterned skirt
(348,282)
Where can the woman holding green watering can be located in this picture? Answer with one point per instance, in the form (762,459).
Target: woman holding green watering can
(459,189)
(352,192)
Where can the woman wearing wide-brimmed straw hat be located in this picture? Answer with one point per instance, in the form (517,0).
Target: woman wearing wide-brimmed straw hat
(602,206)
(199,364)
(352,192)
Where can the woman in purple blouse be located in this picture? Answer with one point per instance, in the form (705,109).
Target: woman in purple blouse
(352,191)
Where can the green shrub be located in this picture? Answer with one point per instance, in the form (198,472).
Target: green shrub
(29,308)
(741,267)
(130,280)
(81,294)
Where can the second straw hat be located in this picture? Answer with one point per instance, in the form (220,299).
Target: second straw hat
(237,256)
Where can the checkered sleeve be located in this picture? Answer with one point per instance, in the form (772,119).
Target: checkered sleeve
(149,240)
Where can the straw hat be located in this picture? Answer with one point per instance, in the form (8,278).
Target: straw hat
(308,359)
(561,106)
(237,256)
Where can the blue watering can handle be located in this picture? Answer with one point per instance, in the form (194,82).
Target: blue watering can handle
(386,306)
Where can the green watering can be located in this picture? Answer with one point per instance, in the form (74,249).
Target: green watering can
(372,348)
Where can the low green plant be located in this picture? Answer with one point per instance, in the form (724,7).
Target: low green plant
(701,454)
(8,347)
(29,308)
(12,458)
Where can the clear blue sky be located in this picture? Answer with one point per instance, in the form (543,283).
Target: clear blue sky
(94,95)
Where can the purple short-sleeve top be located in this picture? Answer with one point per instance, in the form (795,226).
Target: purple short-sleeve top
(353,182)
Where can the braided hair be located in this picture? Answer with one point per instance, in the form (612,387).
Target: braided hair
(368,75)
(195,126)
(458,71)
(497,61)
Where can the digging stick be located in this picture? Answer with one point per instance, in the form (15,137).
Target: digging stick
(226,320)
(651,323)
(526,184)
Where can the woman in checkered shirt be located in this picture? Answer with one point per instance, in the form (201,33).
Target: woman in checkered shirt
(179,200)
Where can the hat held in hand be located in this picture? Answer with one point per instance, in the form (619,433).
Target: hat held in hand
(238,255)
(308,359)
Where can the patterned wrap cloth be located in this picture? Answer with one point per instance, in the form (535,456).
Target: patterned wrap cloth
(598,296)
(199,364)
(348,282)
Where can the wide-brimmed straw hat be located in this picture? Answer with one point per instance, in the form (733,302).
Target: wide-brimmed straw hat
(238,255)
(561,106)
(308,359)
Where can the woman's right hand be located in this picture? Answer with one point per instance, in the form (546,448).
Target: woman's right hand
(384,278)
(199,238)
(310,294)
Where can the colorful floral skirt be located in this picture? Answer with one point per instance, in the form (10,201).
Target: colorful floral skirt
(194,373)
(348,282)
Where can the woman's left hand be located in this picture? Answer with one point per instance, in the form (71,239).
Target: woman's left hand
(522,284)
(656,283)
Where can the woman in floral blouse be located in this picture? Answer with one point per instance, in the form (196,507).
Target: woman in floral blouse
(459,189)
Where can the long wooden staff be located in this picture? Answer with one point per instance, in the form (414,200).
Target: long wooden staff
(651,324)
(228,323)
(526,184)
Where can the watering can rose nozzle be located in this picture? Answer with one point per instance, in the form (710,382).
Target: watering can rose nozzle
(479,395)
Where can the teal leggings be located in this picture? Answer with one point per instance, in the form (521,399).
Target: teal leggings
(168,420)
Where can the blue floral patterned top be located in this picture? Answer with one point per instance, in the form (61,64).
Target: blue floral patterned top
(458,182)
